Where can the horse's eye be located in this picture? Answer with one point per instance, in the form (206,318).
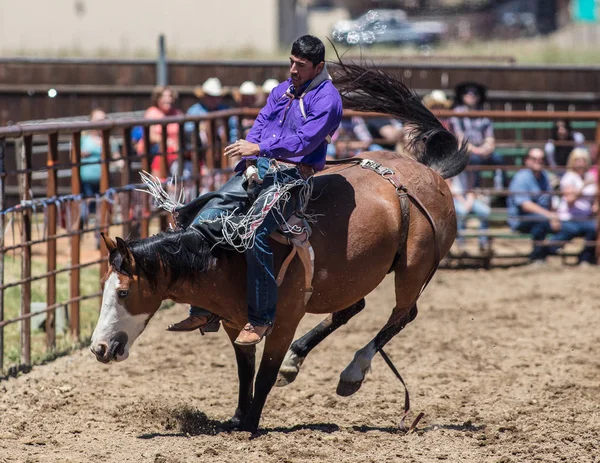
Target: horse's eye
(122,293)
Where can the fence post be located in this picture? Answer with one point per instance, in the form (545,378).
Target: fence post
(196,147)
(104,221)
(145,221)
(126,179)
(75,287)
(51,193)
(161,62)
(26,165)
(211,130)
(2,226)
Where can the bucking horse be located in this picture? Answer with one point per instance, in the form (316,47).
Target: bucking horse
(383,212)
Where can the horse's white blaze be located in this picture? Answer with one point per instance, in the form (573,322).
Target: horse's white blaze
(114,318)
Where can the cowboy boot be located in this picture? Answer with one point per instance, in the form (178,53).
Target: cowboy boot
(251,334)
(204,323)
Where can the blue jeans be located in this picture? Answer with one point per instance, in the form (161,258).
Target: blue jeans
(493,159)
(573,229)
(538,226)
(262,290)
(89,190)
(480,210)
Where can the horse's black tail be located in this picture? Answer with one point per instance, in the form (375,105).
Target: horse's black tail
(370,89)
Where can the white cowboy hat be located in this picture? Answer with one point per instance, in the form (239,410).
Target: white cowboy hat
(269,85)
(212,87)
(248,88)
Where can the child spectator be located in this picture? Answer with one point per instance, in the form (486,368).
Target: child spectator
(562,141)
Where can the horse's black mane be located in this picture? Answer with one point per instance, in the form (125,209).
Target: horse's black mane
(182,255)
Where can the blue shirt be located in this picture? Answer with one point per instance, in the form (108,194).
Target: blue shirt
(525,186)
(288,130)
(199,110)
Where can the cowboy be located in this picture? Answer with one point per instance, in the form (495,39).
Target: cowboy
(289,141)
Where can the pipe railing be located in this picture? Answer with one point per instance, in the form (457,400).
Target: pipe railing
(118,203)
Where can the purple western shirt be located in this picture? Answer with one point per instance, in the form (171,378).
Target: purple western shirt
(282,131)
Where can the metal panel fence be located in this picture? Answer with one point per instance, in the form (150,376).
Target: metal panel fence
(33,230)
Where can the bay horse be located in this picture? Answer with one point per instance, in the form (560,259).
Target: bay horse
(358,240)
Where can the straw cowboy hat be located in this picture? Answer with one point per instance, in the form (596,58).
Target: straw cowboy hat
(212,87)
(437,98)
(269,85)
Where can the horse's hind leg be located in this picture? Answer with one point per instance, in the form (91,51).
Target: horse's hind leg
(245,357)
(352,377)
(301,347)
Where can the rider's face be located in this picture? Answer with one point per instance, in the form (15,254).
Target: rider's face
(302,70)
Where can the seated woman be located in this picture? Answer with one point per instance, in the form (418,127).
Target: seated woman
(578,205)
(465,203)
(562,141)
(163,99)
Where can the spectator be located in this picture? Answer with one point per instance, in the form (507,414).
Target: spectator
(387,133)
(479,132)
(269,85)
(529,205)
(350,138)
(164,99)
(247,96)
(578,204)
(465,203)
(562,141)
(436,100)
(210,98)
(91,170)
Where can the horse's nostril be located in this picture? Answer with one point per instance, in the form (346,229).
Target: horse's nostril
(99,350)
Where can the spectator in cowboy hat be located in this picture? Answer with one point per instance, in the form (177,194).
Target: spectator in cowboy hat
(210,98)
(478,131)
(247,96)
(269,85)
(438,99)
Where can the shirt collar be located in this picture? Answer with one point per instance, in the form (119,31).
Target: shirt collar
(301,89)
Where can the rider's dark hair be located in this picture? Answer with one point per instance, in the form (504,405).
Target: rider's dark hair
(309,47)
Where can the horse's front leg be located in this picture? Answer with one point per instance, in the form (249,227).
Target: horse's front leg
(276,346)
(301,347)
(246,361)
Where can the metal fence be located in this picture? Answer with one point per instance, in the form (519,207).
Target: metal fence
(51,154)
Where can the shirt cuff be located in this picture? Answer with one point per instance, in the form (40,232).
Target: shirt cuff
(265,149)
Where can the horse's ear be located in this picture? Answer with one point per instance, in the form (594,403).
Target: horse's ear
(128,263)
(109,242)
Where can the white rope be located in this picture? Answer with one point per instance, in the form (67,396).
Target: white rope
(161,196)
(239,229)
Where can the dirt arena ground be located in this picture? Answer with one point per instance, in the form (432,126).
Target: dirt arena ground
(505,365)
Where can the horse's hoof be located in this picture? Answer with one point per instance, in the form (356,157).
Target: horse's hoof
(235,422)
(347,388)
(288,372)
